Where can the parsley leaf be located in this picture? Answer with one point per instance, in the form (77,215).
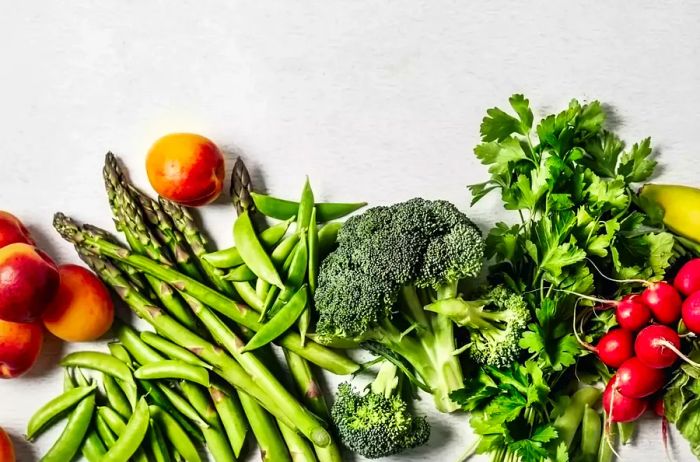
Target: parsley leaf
(636,165)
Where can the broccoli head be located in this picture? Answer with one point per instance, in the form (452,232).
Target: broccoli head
(495,322)
(378,423)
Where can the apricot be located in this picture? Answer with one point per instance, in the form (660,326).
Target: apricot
(186,168)
(82,309)
(20,344)
(7,450)
(12,230)
(28,282)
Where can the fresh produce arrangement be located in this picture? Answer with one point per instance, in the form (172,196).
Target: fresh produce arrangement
(553,334)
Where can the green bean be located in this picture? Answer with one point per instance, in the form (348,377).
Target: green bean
(228,258)
(173,369)
(143,353)
(327,238)
(172,350)
(68,444)
(590,434)
(281,322)
(106,434)
(232,418)
(115,396)
(93,449)
(134,433)
(306,205)
(103,362)
(54,409)
(240,273)
(175,434)
(312,245)
(160,399)
(283,209)
(182,405)
(118,351)
(252,251)
(299,447)
(157,444)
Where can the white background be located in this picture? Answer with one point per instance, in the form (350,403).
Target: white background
(375,100)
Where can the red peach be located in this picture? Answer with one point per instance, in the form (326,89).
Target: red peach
(28,281)
(20,344)
(82,309)
(12,230)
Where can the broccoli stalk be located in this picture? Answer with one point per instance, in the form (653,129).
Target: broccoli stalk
(378,422)
(389,264)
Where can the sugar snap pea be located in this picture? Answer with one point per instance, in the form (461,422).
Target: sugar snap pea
(103,362)
(182,405)
(68,382)
(280,253)
(218,445)
(269,238)
(158,398)
(283,209)
(306,205)
(114,421)
(232,418)
(156,443)
(175,434)
(173,369)
(327,238)
(129,441)
(115,396)
(68,443)
(80,379)
(590,433)
(240,273)
(312,246)
(118,351)
(54,409)
(143,353)
(281,321)
(252,251)
(93,449)
(172,350)
(106,434)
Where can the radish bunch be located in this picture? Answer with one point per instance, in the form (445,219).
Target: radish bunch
(646,343)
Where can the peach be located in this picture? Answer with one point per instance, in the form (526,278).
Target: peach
(186,168)
(28,281)
(7,451)
(20,343)
(82,309)
(12,230)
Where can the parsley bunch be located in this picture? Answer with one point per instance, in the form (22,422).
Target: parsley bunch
(570,179)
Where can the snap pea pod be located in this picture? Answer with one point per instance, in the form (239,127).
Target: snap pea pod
(183,405)
(117,424)
(175,434)
(327,238)
(54,409)
(131,340)
(68,444)
(103,362)
(93,449)
(281,322)
(248,295)
(172,350)
(606,450)
(281,253)
(68,382)
(80,379)
(312,246)
(283,209)
(590,434)
(157,445)
(627,430)
(106,434)
(240,273)
(252,251)
(129,441)
(230,257)
(232,418)
(306,205)
(173,369)
(261,288)
(295,268)
(568,422)
(118,351)
(115,396)
(160,399)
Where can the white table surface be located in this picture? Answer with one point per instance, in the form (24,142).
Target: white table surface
(375,100)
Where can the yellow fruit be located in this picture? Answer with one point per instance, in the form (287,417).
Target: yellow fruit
(678,206)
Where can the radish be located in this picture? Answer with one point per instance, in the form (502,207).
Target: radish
(658,347)
(621,408)
(613,348)
(691,312)
(637,380)
(659,407)
(663,301)
(632,314)
(687,280)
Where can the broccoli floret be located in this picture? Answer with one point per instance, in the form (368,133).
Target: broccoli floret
(378,422)
(496,323)
(389,263)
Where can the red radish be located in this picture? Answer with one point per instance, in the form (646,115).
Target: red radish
(658,346)
(637,380)
(691,312)
(621,408)
(632,314)
(687,280)
(615,347)
(659,407)
(663,301)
